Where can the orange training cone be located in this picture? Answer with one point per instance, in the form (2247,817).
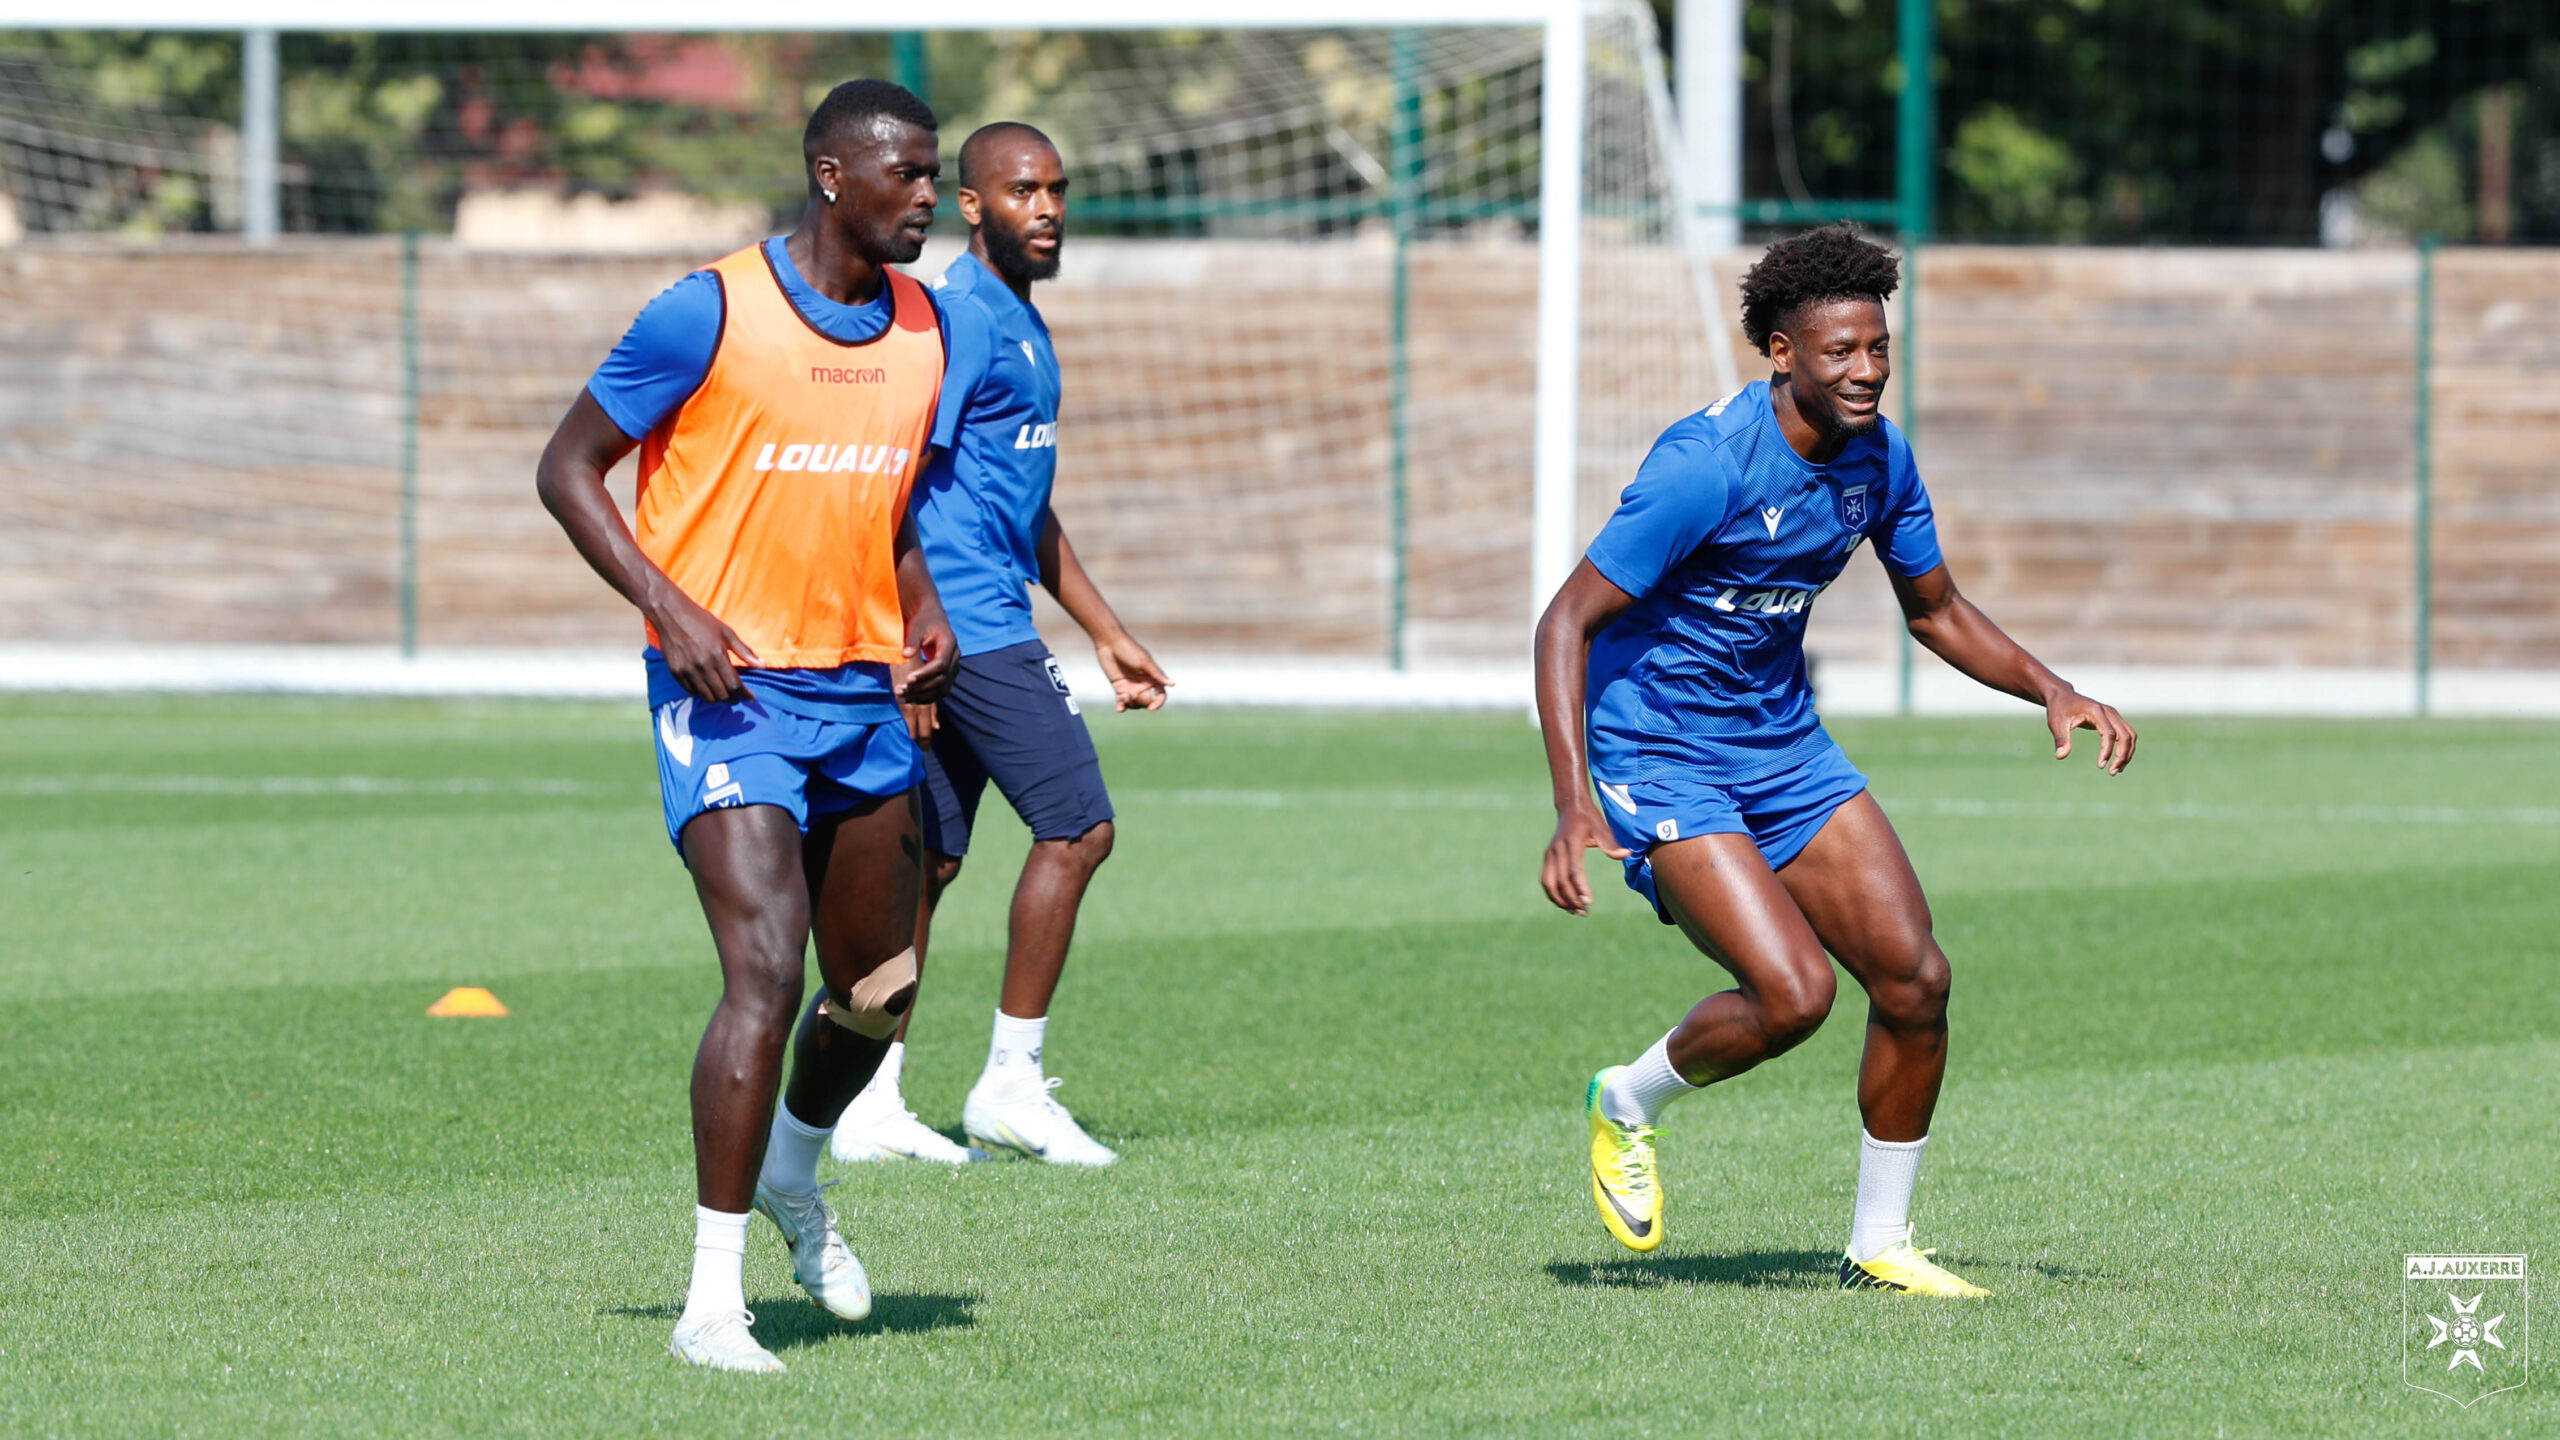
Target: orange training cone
(467,1000)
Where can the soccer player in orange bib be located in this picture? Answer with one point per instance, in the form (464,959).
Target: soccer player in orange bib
(782,400)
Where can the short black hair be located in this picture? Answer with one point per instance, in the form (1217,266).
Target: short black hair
(855,102)
(973,150)
(1831,263)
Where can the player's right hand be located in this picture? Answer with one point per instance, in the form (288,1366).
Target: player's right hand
(1578,828)
(922,721)
(697,646)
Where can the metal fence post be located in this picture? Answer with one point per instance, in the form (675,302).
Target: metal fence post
(261,216)
(908,65)
(1915,160)
(2424,477)
(1404,182)
(409,443)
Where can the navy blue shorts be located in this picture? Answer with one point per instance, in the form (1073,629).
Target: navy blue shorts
(1781,813)
(1010,718)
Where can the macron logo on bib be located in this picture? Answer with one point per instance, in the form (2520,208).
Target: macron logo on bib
(833,459)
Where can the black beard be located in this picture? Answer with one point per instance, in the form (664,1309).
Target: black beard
(1011,258)
(1838,426)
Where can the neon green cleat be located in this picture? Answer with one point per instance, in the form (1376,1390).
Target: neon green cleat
(1623,1181)
(1906,1271)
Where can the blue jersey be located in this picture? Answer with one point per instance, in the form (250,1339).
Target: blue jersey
(1725,538)
(984,499)
(661,361)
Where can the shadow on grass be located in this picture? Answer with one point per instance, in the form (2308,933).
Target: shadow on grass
(791,1324)
(1769,1269)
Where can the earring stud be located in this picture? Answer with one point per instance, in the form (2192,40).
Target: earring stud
(830,194)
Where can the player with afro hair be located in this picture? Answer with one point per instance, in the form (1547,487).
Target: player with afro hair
(1672,679)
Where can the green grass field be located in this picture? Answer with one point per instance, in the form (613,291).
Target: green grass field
(2233,1033)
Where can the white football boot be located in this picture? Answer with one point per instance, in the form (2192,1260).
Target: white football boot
(820,1260)
(723,1342)
(1020,1115)
(879,1126)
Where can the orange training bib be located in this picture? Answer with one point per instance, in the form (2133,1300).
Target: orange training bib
(773,496)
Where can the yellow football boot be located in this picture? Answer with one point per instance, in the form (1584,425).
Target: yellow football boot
(1906,1271)
(1623,1182)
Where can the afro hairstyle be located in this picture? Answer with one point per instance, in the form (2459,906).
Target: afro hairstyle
(1831,263)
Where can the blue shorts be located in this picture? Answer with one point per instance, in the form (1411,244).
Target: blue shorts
(1010,718)
(1781,812)
(713,757)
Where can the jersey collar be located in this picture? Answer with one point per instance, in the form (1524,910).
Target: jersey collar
(970,274)
(844,324)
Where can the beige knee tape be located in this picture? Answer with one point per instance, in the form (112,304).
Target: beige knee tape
(878,998)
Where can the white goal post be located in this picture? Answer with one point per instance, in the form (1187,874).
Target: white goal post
(1561,118)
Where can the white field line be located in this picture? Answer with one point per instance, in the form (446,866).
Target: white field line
(65,786)
(48,786)
(1942,806)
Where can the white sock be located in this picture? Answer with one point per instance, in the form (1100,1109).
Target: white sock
(882,1092)
(791,1153)
(1013,1050)
(719,1265)
(1637,1093)
(1886,1170)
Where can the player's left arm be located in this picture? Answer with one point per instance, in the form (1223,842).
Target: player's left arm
(1136,679)
(1959,633)
(932,654)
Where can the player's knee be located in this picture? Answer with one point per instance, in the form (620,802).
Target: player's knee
(1084,852)
(940,870)
(1796,1004)
(1917,997)
(770,995)
(873,1005)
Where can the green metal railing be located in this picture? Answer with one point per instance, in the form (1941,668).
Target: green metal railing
(1404,188)
(409,443)
(1915,171)
(2423,478)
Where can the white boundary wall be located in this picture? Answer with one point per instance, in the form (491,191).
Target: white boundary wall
(1214,680)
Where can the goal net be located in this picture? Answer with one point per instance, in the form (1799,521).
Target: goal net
(1298,316)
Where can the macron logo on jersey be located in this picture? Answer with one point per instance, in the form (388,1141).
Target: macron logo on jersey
(833,459)
(848,375)
(1037,437)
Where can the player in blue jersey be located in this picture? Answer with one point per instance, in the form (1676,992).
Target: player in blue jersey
(1677,648)
(983,517)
